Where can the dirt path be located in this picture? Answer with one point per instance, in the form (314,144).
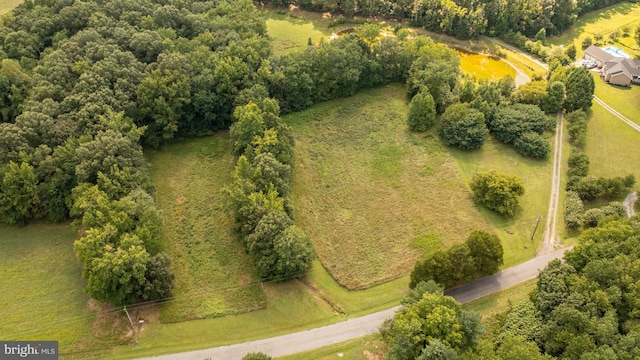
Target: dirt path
(549,242)
(629,202)
(617,114)
(515,49)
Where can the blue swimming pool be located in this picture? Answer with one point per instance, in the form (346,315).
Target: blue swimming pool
(617,52)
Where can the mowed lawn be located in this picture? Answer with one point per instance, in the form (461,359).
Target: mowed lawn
(41,289)
(626,100)
(612,145)
(214,276)
(604,22)
(515,232)
(373,197)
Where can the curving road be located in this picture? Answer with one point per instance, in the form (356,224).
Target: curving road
(365,325)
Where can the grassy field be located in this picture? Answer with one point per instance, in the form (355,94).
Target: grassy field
(626,100)
(291,31)
(515,232)
(373,197)
(484,67)
(41,287)
(604,22)
(8,5)
(214,276)
(612,145)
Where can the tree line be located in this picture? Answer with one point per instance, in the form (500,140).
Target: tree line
(467,18)
(87,84)
(585,307)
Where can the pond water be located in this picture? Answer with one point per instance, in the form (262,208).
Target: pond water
(483,66)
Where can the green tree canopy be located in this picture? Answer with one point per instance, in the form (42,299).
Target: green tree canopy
(422,111)
(463,126)
(498,192)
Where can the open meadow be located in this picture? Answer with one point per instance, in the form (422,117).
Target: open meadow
(214,276)
(373,197)
(8,5)
(515,232)
(42,297)
(291,30)
(612,145)
(603,22)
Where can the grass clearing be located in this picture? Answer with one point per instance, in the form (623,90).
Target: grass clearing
(290,307)
(514,232)
(214,276)
(367,190)
(484,67)
(604,22)
(8,5)
(41,287)
(611,145)
(291,31)
(626,100)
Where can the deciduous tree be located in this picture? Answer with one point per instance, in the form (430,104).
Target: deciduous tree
(498,192)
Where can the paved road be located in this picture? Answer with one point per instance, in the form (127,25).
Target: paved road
(504,279)
(629,201)
(549,240)
(365,325)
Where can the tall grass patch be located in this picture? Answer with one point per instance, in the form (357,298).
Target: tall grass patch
(291,31)
(365,189)
(290,307)
(214,276)
(612,145)
(485,67)
(41,287)
(514,232)
(604,22)
(8,5)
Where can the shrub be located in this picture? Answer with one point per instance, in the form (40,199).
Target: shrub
(592,216)
(463,127)
(511,121)
(586,42)
(422,112)
(578,164)
(498,192)
(532,144)
(573,208)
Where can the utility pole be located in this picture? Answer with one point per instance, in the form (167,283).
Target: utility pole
(536,228)
(129,317)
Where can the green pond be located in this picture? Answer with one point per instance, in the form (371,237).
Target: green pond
(483,66)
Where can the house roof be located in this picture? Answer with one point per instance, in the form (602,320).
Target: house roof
(628,67)
(599,54)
